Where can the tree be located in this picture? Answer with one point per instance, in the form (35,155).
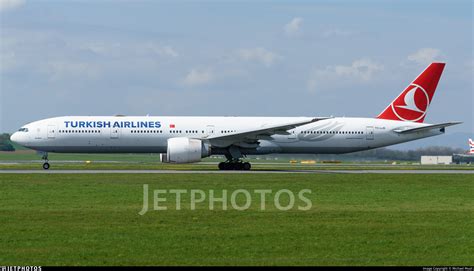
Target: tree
(5,143)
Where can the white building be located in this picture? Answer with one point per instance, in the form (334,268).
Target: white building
(436,160)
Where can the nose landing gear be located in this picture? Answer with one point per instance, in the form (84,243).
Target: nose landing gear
(45,158)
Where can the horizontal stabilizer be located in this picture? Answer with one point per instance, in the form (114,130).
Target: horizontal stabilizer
(426,128)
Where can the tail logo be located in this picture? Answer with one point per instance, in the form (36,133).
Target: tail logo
(412,104)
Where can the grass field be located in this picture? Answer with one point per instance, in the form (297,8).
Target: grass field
(363,219)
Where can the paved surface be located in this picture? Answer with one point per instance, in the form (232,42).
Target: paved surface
(235,172)
(273,164)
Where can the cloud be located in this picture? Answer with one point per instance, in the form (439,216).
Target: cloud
(360,71)
(425,56)
(10,4)
(162,50)
(52,57)
(8,61)
(117,49)
(293,27)
(198,77)
(336,33)
(258,54)
(69,70)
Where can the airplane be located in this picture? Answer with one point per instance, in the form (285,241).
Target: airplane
(467,157)
(183,139)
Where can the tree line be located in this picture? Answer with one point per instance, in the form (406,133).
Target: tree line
(5,143)
(391,154)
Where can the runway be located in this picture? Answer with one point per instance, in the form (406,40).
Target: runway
(370,171)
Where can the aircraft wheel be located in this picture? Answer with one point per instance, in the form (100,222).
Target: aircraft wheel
(246,166)
(238,166)
(46,165)
(225,166)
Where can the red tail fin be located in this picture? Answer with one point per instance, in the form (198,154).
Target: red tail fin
(413,102)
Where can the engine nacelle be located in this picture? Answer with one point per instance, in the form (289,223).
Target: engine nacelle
(185,150)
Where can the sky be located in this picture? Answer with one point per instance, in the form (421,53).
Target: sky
(239,58)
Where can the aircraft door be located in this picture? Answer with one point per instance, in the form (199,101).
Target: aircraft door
(51,131)
(369,132)
(292,134)
(209,130)
(114,133)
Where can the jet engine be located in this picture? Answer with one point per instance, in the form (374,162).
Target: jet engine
(185,150)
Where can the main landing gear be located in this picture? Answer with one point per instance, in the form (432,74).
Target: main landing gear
(234,165)
(45,158)
(233,160)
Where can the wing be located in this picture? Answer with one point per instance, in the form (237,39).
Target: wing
(425,128)
(253,135)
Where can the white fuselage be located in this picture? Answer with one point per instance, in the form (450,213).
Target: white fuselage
(117,134)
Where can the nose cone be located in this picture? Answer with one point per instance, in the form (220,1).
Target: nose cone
(15,138)
(19,138)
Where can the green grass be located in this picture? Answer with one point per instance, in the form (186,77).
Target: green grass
(365,219)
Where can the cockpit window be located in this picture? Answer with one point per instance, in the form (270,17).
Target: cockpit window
(23,130)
